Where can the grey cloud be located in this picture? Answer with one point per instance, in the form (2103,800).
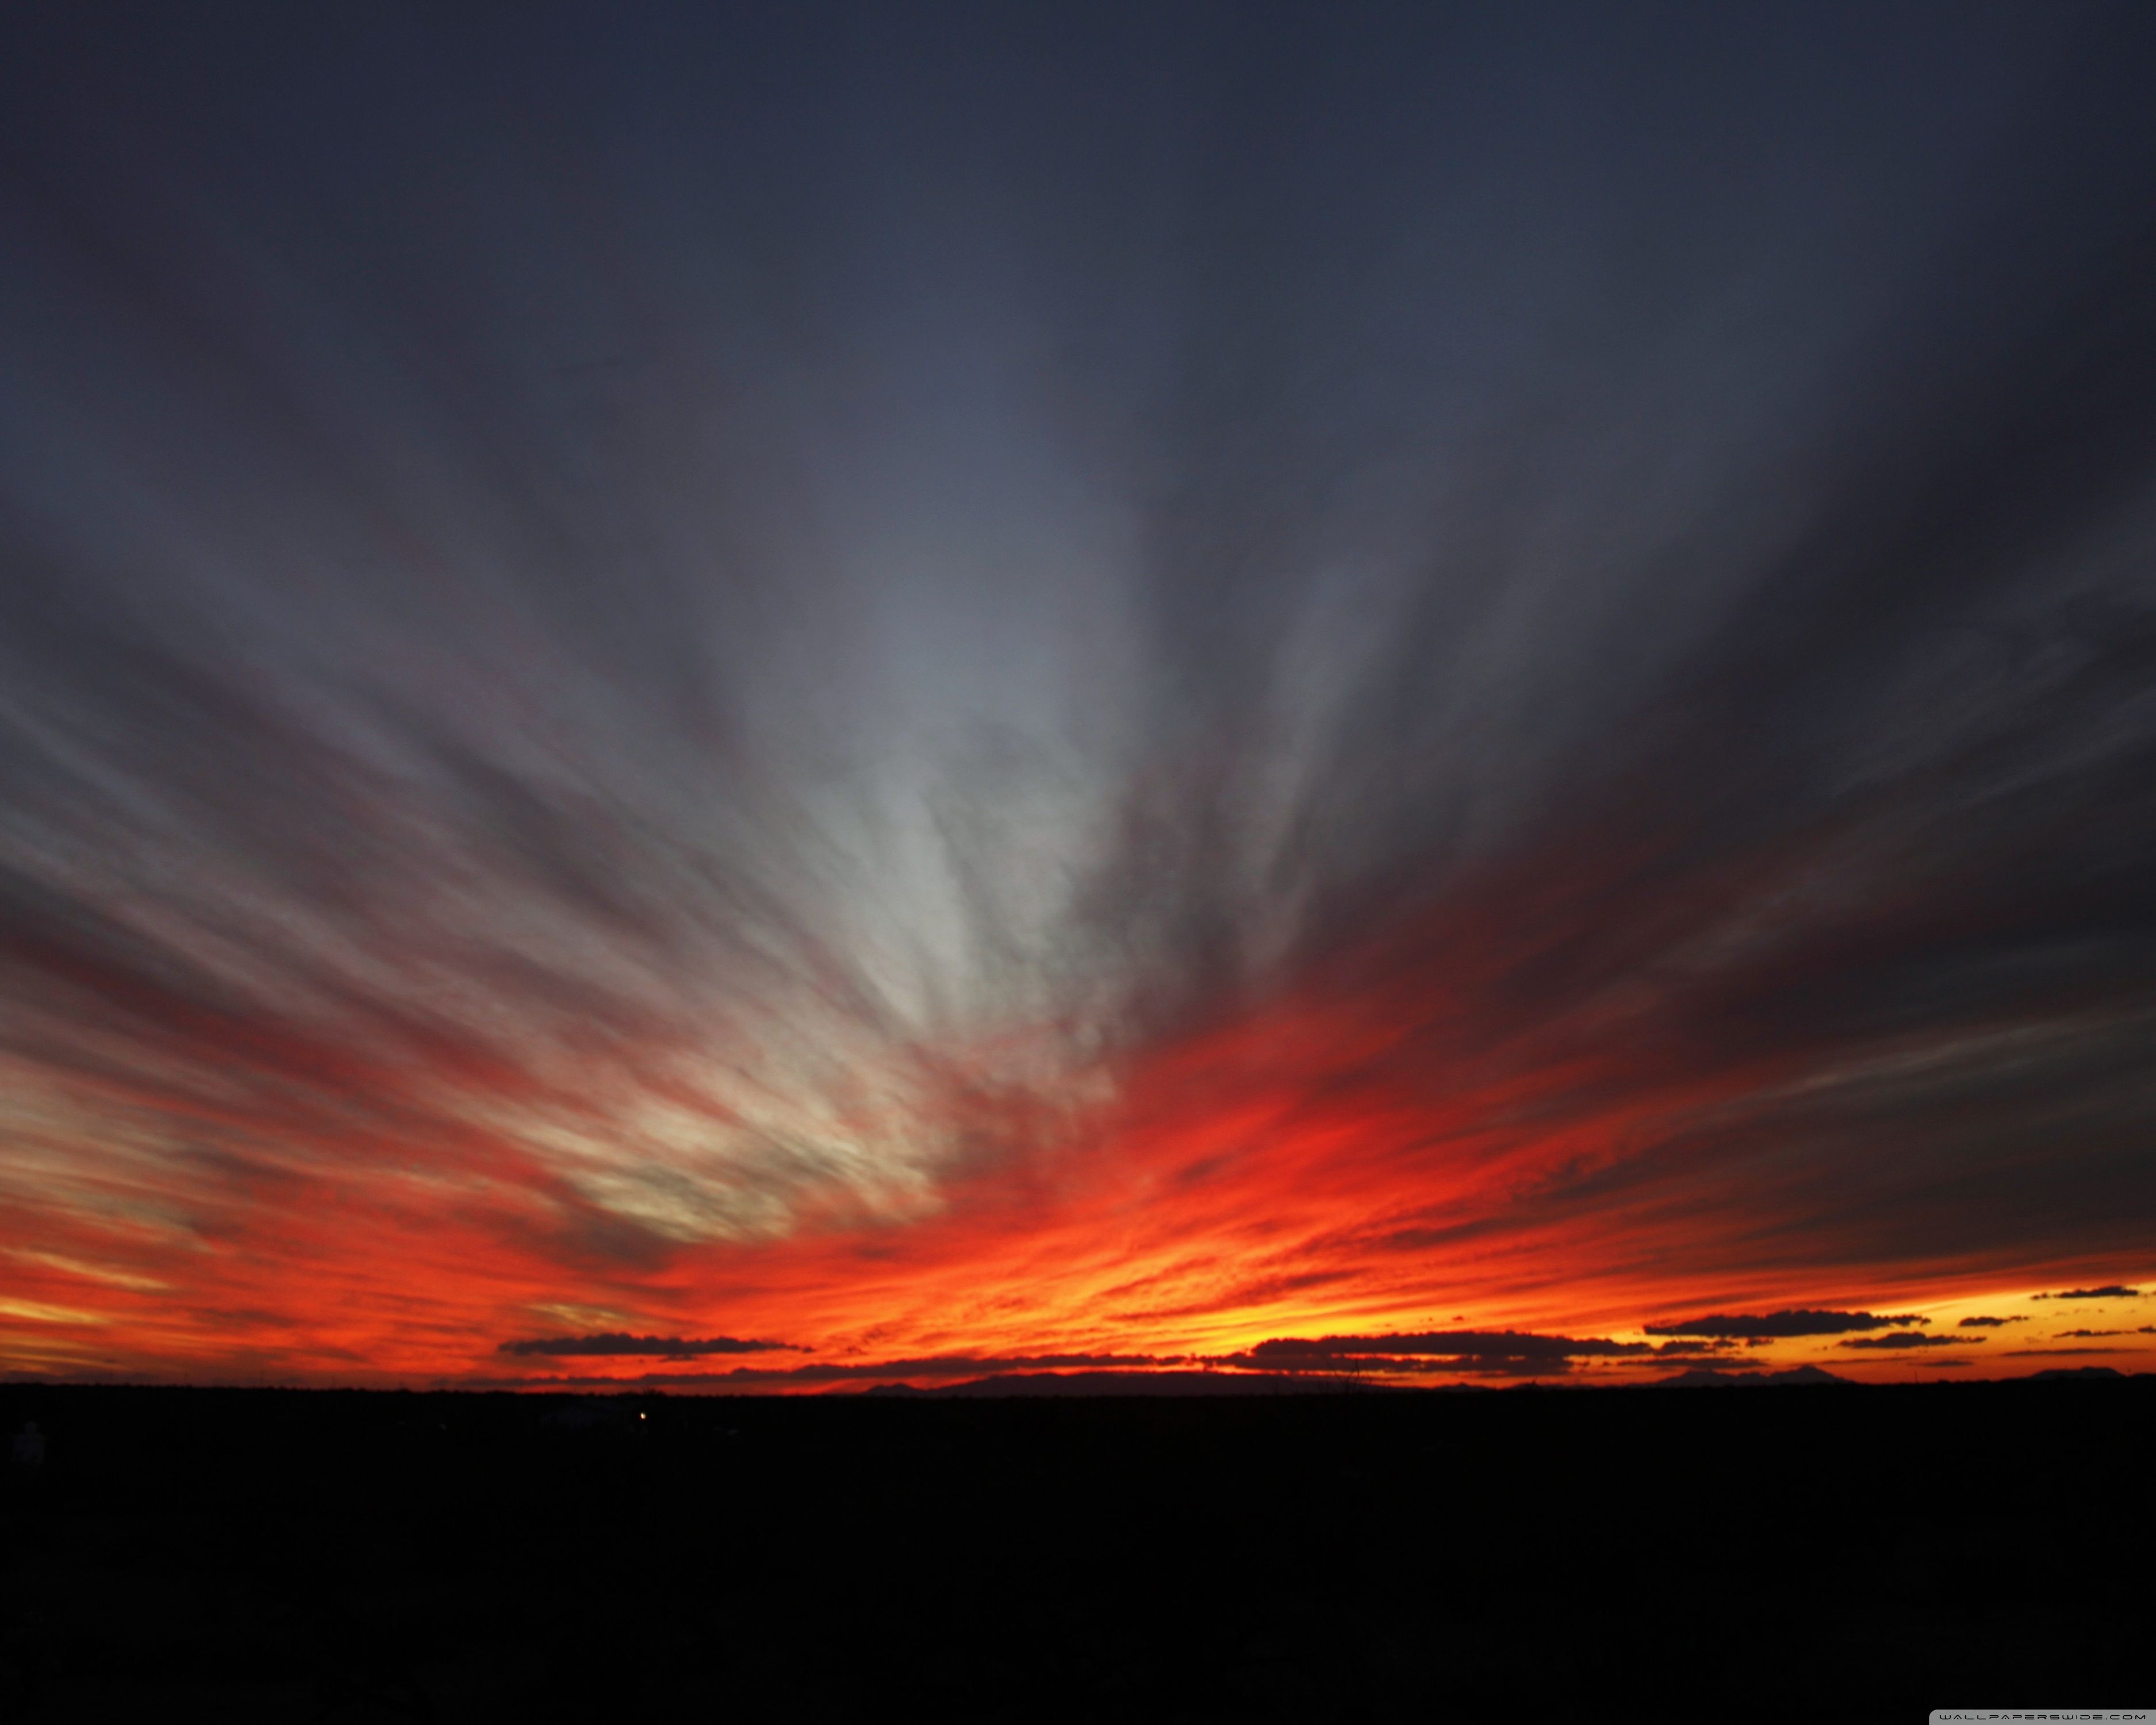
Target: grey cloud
(2042,1353)
(1912,1340)
(1766,1326)
(932,1367)
(1503,1352)
(671,1347)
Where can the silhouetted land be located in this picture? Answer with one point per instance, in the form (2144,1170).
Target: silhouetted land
(1814,1554)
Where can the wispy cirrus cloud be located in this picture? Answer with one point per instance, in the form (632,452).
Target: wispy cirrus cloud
(1068,743)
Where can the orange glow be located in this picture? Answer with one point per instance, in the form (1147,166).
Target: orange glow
(1359,1156)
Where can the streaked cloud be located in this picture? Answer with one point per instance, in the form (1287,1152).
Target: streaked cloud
(1784,1323)
(1043,691)
(662,1347)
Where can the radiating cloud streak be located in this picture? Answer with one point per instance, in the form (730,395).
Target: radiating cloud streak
(1108,687)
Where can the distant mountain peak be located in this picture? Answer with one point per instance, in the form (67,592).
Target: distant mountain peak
(1708,1377)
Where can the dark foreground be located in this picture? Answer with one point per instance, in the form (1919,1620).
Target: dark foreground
(1743,1555)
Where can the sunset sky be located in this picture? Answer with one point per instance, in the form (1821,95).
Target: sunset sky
(775,697)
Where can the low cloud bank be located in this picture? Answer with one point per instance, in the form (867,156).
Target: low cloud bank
(1773,1325)
(619,1343)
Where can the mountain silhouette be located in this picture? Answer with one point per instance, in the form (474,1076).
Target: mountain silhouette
(1707,1377)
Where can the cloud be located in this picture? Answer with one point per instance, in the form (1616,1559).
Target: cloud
(932,1368)
(2063,1334)
(37,1311)
(1989,1323)
(2114,1291)
(1144,1384)
(1503,1351)
(1910,1341)
(1767,1326)
(987,739)
(2043,1352)
(1492,1353)
(670,1346)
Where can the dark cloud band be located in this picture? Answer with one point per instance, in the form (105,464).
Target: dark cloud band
(669,1347)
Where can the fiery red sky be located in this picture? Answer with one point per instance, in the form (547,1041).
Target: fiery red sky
(712,700)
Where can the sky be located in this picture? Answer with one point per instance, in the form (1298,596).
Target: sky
(773,697)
